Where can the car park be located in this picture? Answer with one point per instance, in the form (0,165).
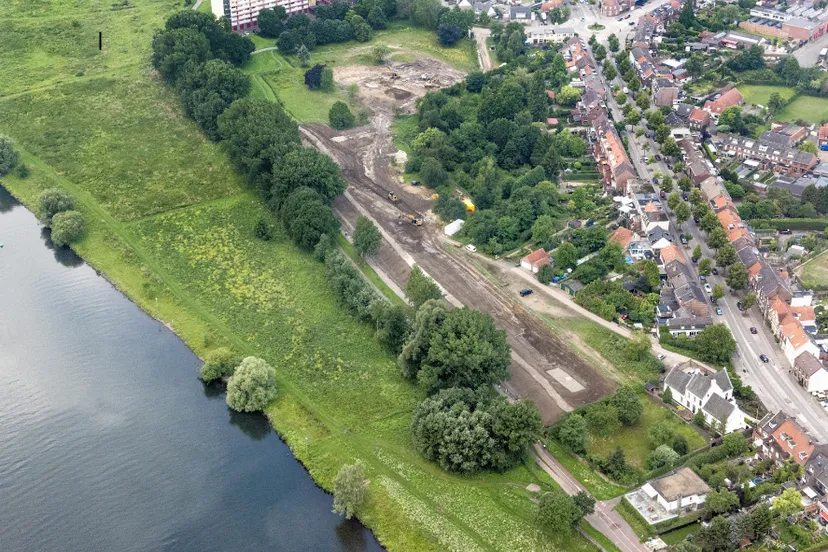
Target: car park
(764,358)
(753,330)
(471,248)
(525,291)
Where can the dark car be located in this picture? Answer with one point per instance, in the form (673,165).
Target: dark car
(661,194)
(713,300)
(525,291)
(696,219)
(753,330)
(685,195)
(764,358)
(739,305)
(655,180)
(415,182)
(785,231)
(715,271)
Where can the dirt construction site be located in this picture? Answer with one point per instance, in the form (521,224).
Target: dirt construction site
(544,368)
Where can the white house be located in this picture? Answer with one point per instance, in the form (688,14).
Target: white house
(679,490)
(535,260)
(811,373)
(699,388)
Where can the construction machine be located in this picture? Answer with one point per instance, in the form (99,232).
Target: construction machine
(392,196)
(413,219)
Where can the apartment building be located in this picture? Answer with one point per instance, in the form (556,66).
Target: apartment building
(770,156)
(242,14)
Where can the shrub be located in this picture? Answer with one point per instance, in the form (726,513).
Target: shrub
(263,231)
(53,201)
(340,116)
(252,386)
(218,364)
(8,155)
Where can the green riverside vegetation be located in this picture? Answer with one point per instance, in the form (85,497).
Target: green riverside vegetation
(171,224)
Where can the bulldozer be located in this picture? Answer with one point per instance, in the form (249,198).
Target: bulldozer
(392,196)
(429,84)
(394,75)
(416,221)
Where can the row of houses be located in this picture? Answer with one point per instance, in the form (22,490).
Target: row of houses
(766,153)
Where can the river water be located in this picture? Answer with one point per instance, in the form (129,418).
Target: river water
(110,442)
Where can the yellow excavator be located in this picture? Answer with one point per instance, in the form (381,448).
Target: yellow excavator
(392,196)
(416,221)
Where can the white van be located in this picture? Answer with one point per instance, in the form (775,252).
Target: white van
(471,248)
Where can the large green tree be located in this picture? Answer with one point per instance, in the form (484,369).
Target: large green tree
(52,201)
(8,155)
(715,343)
(67,227)
(208,89)
(367,237)
(305,167)
(306,218)
(219,363)
(340,116)
(557,512)
(349,487)
(629,405)
(420,288)
(252,386)
(430,316)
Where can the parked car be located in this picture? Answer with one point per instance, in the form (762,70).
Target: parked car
(415,182)
(785,231)
(702,277)
(719,311)
(620,19)
(658,157)
(661,357)
(753,330)
(525,291)
(683,240)
(713,300)
(661,194)
(655,180)
(632,23)
(707,288)
(471,248)
(696,219)
(685,196)
(739,305)
(764,358)
(715,271)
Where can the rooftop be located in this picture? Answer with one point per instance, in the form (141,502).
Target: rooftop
(681,482)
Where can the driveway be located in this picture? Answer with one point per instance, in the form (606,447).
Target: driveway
(483,53)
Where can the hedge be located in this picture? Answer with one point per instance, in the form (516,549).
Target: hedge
(793,224)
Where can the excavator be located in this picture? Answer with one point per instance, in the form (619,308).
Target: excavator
(413,219)
(392,196)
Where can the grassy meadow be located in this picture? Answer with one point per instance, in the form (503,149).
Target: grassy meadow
(171,225)
(805,108)
(758,94)
(814,273)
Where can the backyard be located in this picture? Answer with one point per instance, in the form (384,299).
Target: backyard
(814,273)
(758,94)
(805,108)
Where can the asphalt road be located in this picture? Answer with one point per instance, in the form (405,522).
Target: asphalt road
(808,55)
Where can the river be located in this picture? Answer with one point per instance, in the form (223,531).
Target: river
(108,439)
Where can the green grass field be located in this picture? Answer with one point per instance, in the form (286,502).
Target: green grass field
(814,273)
(805,108)
(170,224)
(757,94)
(633,440)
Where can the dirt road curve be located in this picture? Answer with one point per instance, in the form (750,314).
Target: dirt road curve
(544,369)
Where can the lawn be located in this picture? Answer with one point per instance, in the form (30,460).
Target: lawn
(599,487)
(633,440)
(758,94)
(805,108)
(814,273)
(171,225)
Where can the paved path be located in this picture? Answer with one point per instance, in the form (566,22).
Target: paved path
(197,4)
(483,53)
(263,50)
(605,520)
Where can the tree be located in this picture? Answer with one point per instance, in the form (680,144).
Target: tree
(726,255)
(8,155)
(466,350)
(718,291)
(621,98)
(684,183)
(697,253)
(475,82)
(557,512)
(271,21)
(568,96)
(699,419)
(566,256)
(667,395)
(612,40)
(638,346)
(709,222)
(717,238)
(705,265)
(788,503)
(303,55)
(449,35)
(313,77)
(393,324)
(660,433)
(682,213)
(52,201)
(220,363)
(573,433)
(748,300)
(379,53)
(609,71)
(430,316)
(680,444)
(600,52)
(304,167)
(696,197)
(544,230)
(585,504)
(776,103)
(349,488)
(340,116)
(670,148)
(650,270)
(808,147)
(642,100)
(715,343)
(208,90)
(686,16)
(326,82)
(602,419)
(661,457)
(420,288)
(737,276)
(252,386)
(721,502)
(717,535)
(628,404)
(673,200)
(306,218)
(67,227)
(175,50)
(367,238)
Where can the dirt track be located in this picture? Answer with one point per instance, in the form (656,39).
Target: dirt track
(544,369)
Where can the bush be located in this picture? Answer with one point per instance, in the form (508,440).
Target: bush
(8,155)
(67,227)
(793,224)
(53,201)
(263,231)
(252,386)
(219,364)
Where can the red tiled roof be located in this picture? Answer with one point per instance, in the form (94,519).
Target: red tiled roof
(623,236)
(535,256)
(797,438)
(698,115)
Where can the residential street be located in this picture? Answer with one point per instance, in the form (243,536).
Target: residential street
(605,520)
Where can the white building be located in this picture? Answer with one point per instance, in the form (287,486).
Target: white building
(811,373)
(242,14)
(699,388)
(679,490)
